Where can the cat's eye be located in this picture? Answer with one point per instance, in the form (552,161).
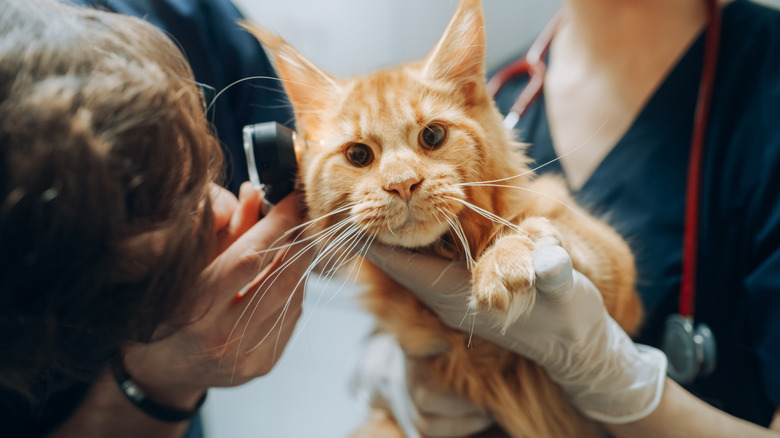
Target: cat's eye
(433,136)
(359,154)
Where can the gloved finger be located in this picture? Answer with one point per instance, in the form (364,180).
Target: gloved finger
(432,426)
(436,402)
(432,400)
(439,412)
(423,274)
(554,272)
(380,378)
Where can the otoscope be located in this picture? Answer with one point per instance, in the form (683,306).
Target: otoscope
(269,149)
(270,156)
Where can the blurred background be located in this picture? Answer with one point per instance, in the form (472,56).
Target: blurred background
(307,394)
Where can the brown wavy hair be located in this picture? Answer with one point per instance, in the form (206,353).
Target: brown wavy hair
(105,163)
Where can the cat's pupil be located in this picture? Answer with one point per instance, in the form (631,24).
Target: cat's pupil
(433,136)
(359,154)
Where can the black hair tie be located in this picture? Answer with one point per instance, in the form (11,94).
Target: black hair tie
(151,408)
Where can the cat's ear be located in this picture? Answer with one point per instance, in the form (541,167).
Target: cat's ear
(308,87)
(460,53)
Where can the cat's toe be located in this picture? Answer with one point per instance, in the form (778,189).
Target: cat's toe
(503,279)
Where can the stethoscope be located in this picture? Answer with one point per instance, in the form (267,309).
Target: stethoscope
(690,348)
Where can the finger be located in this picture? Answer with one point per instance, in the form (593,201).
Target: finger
(240,263)
(430,399)
(420,273)
(435,402)
(248,212)
(289,263)
(452,426)
(554,272)
(224,204)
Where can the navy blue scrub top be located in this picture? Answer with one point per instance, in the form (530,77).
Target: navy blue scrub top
(640,187)
(220,53)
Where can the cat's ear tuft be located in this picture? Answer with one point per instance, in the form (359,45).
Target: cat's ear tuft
(460,53)
(307,86)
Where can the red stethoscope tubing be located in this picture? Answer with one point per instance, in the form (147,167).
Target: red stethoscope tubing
(695,161)
(532,64)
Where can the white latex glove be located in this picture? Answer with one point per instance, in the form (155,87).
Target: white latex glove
(390,381)
(568,331)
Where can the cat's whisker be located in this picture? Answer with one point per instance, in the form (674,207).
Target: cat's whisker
(495,218)
(535,169)
(331,231)
(486,214)
(354,233)
(471,315)
(256,298)
(345,252)
(352,274)
(248,78)
(546,195)
(458,229)
(275,275)
(391,230)
(334,246)
(300,229)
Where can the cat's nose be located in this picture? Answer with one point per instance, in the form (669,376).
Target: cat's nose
(404,189)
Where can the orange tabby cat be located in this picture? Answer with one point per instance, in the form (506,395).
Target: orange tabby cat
(417,157)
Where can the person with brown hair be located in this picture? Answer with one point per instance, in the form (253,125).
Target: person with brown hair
(120,258)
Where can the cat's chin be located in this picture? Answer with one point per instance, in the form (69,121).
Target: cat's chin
(413,237)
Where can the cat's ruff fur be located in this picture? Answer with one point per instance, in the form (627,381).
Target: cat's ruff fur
(386,110)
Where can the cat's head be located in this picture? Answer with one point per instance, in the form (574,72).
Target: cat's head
(392,151)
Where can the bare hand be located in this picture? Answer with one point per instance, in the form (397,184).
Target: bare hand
(248,302)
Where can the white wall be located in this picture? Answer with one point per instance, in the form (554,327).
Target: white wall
(347,37)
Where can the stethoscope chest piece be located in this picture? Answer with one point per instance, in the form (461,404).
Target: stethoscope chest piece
(690,350)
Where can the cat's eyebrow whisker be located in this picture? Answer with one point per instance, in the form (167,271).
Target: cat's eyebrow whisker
(248,78)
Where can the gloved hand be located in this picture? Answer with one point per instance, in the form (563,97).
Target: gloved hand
(390,381)
(568,331)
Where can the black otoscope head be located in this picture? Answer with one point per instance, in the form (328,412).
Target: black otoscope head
(270,155)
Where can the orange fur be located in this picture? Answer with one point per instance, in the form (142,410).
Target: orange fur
(387,112)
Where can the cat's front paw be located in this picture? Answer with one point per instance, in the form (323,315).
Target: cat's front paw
(503,278)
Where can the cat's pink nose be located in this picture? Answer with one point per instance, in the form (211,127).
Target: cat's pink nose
(404,189)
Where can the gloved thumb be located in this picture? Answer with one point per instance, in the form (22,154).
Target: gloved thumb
(554,272)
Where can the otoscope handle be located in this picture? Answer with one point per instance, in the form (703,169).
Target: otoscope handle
(270,154)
